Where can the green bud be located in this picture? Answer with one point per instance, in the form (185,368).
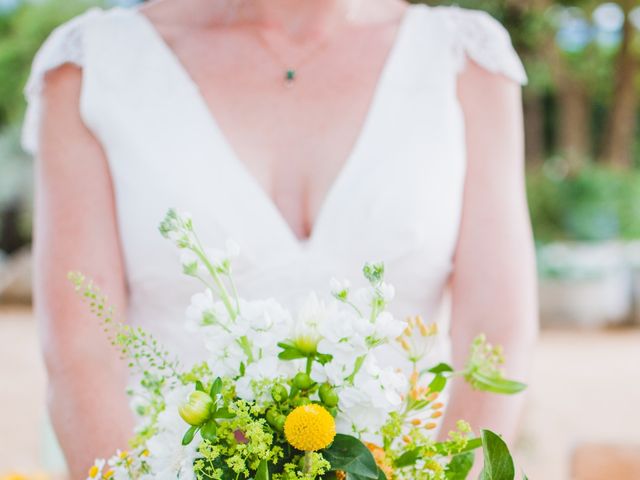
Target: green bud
(299,402)
(302,381)
(276,419)
(279,425)
(328,395)
(279,393)
(197,409)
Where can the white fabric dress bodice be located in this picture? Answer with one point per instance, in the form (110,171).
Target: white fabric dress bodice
(398,197)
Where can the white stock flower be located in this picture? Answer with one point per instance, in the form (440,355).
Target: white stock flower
(266,369)
(387,328)
(168,458)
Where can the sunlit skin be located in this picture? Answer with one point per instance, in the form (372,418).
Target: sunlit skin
(275,133)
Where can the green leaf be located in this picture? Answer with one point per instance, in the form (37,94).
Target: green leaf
(498,464)
(324,358)
(410,457)
(459,466)
(438,383)
(291,354)
(350,455)
(216,388)
(188,436)
(263,471)
(441,368)
(495,384)
(199,386)
(524,476)
(223,413)
(209,430)
(381,475)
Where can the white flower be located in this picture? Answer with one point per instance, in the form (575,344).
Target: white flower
(340,288)
(265,369)
(168,458)
(387,328)
(387,291)
(312,314)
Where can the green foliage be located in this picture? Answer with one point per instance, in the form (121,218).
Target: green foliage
(484,369)
(498,464)
(598,203)
(21,34)
(460,466)
(350,455)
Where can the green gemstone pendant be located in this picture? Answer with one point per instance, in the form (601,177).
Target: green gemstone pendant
(289,76)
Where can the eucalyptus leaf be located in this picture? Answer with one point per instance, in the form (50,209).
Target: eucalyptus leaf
(498,464)
(350,455)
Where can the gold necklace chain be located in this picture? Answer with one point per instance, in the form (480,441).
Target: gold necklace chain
(291,68)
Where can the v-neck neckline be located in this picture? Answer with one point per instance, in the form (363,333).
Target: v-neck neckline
(262,195)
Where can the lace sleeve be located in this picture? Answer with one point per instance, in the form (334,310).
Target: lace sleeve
(63,46)
(480,37)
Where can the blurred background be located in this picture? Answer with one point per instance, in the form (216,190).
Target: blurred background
(583,181)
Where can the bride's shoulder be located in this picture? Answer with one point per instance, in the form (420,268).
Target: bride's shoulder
(476,35)
(68,46)
(68,42)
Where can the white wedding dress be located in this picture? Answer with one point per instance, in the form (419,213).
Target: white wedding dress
(398,197)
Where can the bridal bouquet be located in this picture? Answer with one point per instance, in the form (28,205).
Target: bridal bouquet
(287,397)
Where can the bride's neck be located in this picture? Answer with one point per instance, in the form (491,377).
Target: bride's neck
(296,16)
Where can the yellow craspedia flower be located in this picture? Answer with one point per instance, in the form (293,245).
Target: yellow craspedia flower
(14,476)
(310,428)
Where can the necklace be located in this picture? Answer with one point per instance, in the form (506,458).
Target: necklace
(290,72)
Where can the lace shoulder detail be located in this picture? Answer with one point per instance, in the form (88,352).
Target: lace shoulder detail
(64,45)
(480,37)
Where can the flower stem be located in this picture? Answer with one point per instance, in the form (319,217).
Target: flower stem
(307,462)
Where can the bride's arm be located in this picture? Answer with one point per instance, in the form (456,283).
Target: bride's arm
(75,229)
(494,286)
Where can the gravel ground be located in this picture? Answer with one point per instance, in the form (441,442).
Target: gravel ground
(585,390)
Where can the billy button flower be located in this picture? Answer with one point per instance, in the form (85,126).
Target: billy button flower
(310,428)
(197,409)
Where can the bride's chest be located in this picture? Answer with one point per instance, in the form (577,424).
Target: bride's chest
(293,136)
(387,165)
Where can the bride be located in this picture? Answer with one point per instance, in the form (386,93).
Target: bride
(318,135)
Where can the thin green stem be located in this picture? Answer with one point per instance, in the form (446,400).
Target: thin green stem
(309,365)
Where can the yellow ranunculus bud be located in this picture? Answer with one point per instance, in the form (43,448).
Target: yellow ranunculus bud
(197,409)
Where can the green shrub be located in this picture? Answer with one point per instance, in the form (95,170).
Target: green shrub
(22,31)
(597,203)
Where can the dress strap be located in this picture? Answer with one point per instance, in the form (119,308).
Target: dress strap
(63,46)
(478,36)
